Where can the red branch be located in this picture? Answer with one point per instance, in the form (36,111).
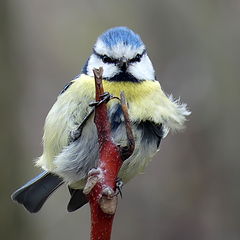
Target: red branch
(110,162)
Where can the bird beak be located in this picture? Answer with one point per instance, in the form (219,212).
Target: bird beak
(123,64)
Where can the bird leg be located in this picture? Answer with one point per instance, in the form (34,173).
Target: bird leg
(108,200)
(105,97)
(94,175)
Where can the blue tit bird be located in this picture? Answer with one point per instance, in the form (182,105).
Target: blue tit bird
(65,159)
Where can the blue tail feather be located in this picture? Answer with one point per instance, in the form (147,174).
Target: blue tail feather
(35,192)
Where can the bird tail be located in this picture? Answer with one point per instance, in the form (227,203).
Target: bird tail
(78,199)
(35,192)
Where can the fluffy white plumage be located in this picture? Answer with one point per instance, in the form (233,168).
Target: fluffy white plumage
(127,67)
(141,70)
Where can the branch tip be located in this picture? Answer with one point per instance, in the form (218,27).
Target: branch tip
(98,72)
(127,151)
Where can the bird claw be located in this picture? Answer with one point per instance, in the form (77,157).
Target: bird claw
(109,193)
(105,94)
(105,97)
(108,201)
(119,186)
(74,135)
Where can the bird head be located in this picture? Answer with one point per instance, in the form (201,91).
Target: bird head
(123,56)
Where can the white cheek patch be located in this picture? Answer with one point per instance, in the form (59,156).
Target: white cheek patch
(109,70)
(142,70)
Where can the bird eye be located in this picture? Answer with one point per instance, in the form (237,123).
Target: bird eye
(137,58)
(107,59)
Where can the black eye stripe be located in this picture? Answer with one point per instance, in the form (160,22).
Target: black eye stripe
(137,58)
(107,59)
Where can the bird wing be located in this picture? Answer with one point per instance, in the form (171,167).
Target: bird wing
(66,87)
(65,116)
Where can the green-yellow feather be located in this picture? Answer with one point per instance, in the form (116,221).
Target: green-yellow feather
(146,101)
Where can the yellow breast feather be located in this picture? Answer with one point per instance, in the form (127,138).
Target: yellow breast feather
(146,101)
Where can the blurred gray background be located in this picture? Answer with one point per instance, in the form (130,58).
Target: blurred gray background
(191,189)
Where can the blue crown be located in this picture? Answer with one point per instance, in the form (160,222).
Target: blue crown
(123,35)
